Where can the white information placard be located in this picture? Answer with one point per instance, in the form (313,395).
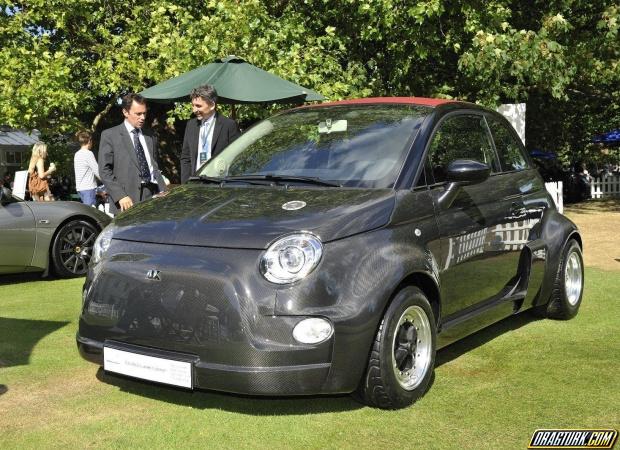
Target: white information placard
(161,370)
(19,184)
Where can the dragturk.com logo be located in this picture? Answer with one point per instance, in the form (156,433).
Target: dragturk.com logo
(573,439)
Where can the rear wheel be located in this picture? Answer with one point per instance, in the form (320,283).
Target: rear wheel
(73,248)
(402,358)
(567,291)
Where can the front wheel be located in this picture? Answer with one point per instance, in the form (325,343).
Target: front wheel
(402,358)
(73,248)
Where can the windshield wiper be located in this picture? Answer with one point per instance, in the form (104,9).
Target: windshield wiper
(217,180)
(284,178)
(206,179)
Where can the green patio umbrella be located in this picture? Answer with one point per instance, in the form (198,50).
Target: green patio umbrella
(236,81)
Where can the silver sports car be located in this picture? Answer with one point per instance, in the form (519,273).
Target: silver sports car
(37,236)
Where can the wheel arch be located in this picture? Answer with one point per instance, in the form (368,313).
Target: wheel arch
(576,236)
(557,231)
(427,284)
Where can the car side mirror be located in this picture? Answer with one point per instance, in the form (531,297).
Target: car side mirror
(462,172)
(5,196)
(467,171)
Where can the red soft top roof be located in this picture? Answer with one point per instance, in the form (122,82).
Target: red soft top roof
(386,100)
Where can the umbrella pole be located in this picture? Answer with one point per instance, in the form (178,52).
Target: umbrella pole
(233,112)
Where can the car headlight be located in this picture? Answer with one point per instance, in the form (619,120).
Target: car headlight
(102,243)
(291,258)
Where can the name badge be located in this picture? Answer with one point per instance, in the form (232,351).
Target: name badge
(203,157)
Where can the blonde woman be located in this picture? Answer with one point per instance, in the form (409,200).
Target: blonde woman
(37,175)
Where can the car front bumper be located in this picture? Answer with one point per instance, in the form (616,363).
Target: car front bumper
(214,307)
(300,379)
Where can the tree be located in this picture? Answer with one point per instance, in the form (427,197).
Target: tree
(63,64)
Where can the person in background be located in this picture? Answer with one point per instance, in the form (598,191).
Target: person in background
(86,169)
(584,180)
(6,181)
(37,175)
(207,134)
(127,158)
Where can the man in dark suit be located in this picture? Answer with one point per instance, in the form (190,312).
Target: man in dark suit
(127,162)
(207,134)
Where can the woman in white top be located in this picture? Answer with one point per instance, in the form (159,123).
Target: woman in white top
(86,169)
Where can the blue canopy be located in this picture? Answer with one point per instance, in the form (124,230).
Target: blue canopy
(541,154)
(611,137)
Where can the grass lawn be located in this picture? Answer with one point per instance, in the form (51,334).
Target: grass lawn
(491,390)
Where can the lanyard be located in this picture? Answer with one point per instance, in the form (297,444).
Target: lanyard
(205,131)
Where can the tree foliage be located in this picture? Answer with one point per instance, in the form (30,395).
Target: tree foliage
(63,64)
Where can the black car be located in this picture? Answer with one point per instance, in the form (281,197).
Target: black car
(332,249)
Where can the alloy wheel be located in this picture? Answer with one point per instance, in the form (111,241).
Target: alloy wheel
(76,248)
(412,346)
(573,278)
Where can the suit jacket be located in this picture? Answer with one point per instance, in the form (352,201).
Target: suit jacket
(225,131)
(118,164)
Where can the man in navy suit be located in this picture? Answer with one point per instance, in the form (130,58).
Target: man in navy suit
(207,134)
(127,158)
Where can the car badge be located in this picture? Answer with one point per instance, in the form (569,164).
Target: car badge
(153,275)
(292,206)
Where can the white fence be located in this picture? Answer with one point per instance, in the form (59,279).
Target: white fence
(465,247)
(605,187)
(555,189)
(506,237)
(513,236)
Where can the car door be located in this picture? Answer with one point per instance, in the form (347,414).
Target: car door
(518,172)
(17,236)
(477,266)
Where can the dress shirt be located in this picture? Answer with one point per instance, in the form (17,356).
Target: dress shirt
(206,128)
(147,154)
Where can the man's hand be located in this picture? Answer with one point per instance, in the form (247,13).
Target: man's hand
(160,194)
(125,203)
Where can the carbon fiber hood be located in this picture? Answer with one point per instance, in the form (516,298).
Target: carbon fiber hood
(252,217)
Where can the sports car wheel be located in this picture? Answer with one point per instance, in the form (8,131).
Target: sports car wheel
(403,354)
(73,247)
(568,286)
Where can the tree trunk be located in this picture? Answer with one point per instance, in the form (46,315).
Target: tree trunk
(101,115)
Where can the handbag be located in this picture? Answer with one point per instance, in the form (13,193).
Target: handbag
(37,185)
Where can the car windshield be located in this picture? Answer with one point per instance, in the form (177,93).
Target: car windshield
(350,145)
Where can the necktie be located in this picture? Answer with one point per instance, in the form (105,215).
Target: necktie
(143,165)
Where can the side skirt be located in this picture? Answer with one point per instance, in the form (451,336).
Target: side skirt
(476,317)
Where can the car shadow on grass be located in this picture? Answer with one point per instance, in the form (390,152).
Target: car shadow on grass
(316,404)
(25,278)
(244,404)
(18,337)
(479,338)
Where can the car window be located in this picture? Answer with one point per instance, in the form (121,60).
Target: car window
(355,146)
(460,137)
(425,177)
(508,148)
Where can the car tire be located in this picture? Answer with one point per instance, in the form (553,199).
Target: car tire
(567,291)
(73,248)
(402,358)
